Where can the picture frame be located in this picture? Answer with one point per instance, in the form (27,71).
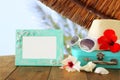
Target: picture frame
(39,47)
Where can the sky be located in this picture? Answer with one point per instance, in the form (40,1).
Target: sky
(16,14)
(28,14)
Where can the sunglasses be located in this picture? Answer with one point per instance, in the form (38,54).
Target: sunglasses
(86,44)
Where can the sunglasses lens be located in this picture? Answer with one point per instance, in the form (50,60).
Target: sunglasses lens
(74,39)
(87,44)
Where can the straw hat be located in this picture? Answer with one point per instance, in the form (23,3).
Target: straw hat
(100,25)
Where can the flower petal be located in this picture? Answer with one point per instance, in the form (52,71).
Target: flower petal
(112,38)
(70,69)
(68,59)
(77,66)
(115,48)
(109,32)
(103,39)
(104,46)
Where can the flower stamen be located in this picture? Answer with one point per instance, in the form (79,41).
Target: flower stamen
(111,43)
(70,64)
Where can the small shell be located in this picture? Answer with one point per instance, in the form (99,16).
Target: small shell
(88,67)
(101,70)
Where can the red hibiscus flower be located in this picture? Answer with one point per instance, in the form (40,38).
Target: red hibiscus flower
(108,41)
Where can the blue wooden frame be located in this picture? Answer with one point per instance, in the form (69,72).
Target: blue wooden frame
(19,61)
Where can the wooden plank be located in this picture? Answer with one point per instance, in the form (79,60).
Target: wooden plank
(6,66)
(94,76)
(30,73)
(119,74)
(59,74)
(113,75)
(8,71)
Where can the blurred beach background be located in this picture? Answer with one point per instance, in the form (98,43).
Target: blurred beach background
(31,14)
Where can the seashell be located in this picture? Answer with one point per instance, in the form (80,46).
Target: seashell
(88,67)
(101,70)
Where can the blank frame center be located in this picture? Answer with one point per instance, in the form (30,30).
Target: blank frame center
(39,47)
